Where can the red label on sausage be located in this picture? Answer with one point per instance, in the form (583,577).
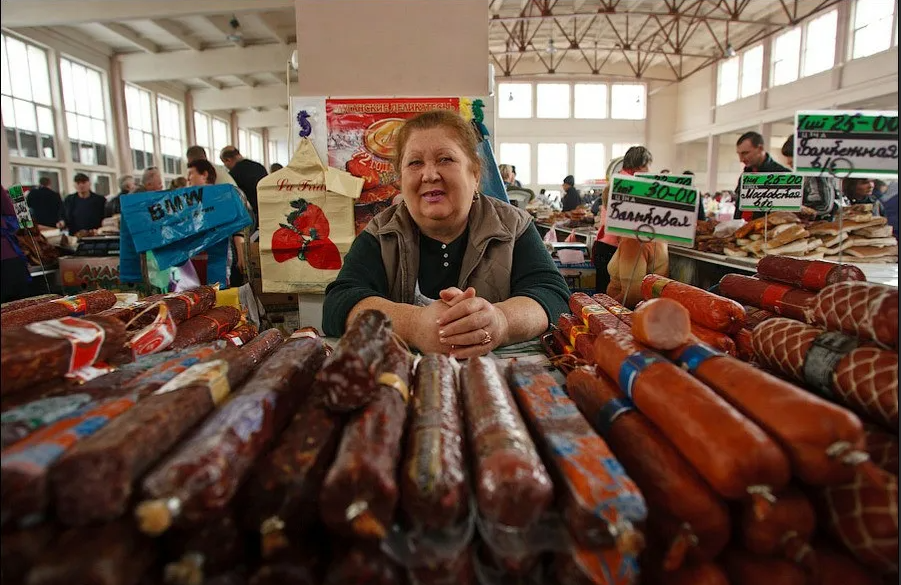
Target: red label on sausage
(814,277)
(190,298)
(85,337)
(155,337)
(221,328)
(76,306)
(772,296)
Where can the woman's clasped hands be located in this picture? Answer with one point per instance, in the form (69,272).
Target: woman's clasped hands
(462,325)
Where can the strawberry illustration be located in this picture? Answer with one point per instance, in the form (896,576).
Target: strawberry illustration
(321,253)
(286,244)
(308,217)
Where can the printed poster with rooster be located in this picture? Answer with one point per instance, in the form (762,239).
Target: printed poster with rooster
(361,138)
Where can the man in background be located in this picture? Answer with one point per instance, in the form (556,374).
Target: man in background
(514,181)
(752,153)
(151,180)
(196,153)
(45,204)
(571,198)
(126,187)
(84,209)
(246,173)
(275,167)
(820,193)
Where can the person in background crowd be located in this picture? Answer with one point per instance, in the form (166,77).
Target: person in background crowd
(178,183)
(879,188)
(151,180)
(114,204)
(515,181)
(752,153)
(222,175)
(860,191)
(571,197)
(820,193)
(275,167)
(889,201)
(14,276)
(84,209)
(201,172)
(506,175)
(457,272)
(632,262)
(45,204)
(246,173)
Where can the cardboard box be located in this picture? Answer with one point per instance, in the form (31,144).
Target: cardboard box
(83,273)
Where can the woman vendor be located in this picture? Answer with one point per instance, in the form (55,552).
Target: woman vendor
(457,272)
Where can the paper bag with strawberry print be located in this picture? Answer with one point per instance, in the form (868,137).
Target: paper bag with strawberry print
(306,223)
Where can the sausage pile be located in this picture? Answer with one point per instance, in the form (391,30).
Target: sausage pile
(754,476)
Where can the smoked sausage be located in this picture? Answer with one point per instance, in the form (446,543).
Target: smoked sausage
(824,442)
(837,568)
(585,566)
(578,336)
(182,305)
(695,574)
(779,298)
(669,484)
(347,380)
(661,324)
(362,564)
(812,275)
(883,449)
(715,339)
(746,568)
(210,548)
(433,483)
(593,313)
(209,326)
(511,483)
(707,309)
(29,302)
(202,475)
(360,491)
(861,309)
(78,305)
(600,503)
(786,530)
(731,452)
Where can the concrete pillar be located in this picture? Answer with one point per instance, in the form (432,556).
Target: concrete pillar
(190,131)
(233,126)
(842,42)
(120,117)
(713,162)
(6,171)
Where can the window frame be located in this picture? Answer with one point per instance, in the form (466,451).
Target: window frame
(805,44)
(581,180)
(742,71)
(605,114)
(152,132)
(109,145)
(565,111)
(643,99)
(503,87)
(163,138)
(58,133)
(892,27)
(538,172)
(773,61)
(523,172)
(735,84)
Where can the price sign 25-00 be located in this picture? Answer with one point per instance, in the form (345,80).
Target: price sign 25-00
(771,192)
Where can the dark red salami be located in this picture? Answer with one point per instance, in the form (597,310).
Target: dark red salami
(79,305)
(771,296)
(213,324)
(362,565)
(812,275)
(21,549)
(29,302)
(201,551)
(182,305)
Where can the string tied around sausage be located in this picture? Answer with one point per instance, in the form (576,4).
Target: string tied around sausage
(798,550)
(856,457)
(684,540)
(155,516)
(363,522)
(186,571)
(762,500)
(272,532)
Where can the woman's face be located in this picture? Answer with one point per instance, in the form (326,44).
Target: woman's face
(863,189)
(437,181)
(196,179)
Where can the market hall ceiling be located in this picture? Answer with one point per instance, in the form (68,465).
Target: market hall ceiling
(196,45)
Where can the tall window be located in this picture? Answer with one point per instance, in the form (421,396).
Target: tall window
(727,81)
(553,162)
(514,100)
(819,47)
(751,71)
(627,101)
(140,127)
(520,156)
(243,141)
(553,100)
(786,57)
(203,134)
(256,147)
(872,27)
(279,152)
(221,136)
(589,162)
(172,140)
(29,176)
(26,102)
(85,113)
(618,149)
(591,100)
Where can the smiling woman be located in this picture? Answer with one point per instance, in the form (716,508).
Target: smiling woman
(458,273)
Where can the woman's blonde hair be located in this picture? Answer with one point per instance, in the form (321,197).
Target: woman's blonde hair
(462,130)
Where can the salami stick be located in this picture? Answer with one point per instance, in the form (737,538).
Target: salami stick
(732,453)
(79,305)
(347,379)
(585,566)
(707,309)
(50,349)
(433,483)
(282,493)
(211,548)
(241,334)
(360,491)
(715,339)
(594,314)
(93,481)
(22,549)
(107,554)
(824,442)
(29,302)
(756,317)
(600,503)
(512,485)
(812,275)
(883,449)
(861,309)
(211,325)
(578,336)
(696,574)
(201,476)
(745,568)
(669,484)
(771,296)
(785,532)
(183,305)
(616,309)
(364,564)
(837,568)
(864,379)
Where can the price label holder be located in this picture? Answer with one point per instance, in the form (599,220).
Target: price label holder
(853,143)
(768,192)
(648,209)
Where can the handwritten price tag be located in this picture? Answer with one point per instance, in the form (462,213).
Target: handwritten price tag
(676,179)
(847,143)
(644,208)
(771,192)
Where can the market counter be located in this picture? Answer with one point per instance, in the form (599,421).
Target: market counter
(704,269)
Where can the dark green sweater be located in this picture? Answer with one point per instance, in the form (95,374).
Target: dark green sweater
(533,275)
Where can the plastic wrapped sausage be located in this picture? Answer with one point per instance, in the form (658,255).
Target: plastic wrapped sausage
(201,476)
(93,481)
(771,296)
(360,491)
(512,485)
(457,571)
(78,305)
(578,336)
(183,305)
(29,302)
(812,275)
(594,314)
(596,567)
(211,325)
(347,380)
(785,532)
(50,349)
(746,568)
(824,442)
(837,568)
(600,503)
(199,552)
(707,309)
(695,574)
(362,564)
(241,334)
(433,481)
(690,517)
(715,339)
